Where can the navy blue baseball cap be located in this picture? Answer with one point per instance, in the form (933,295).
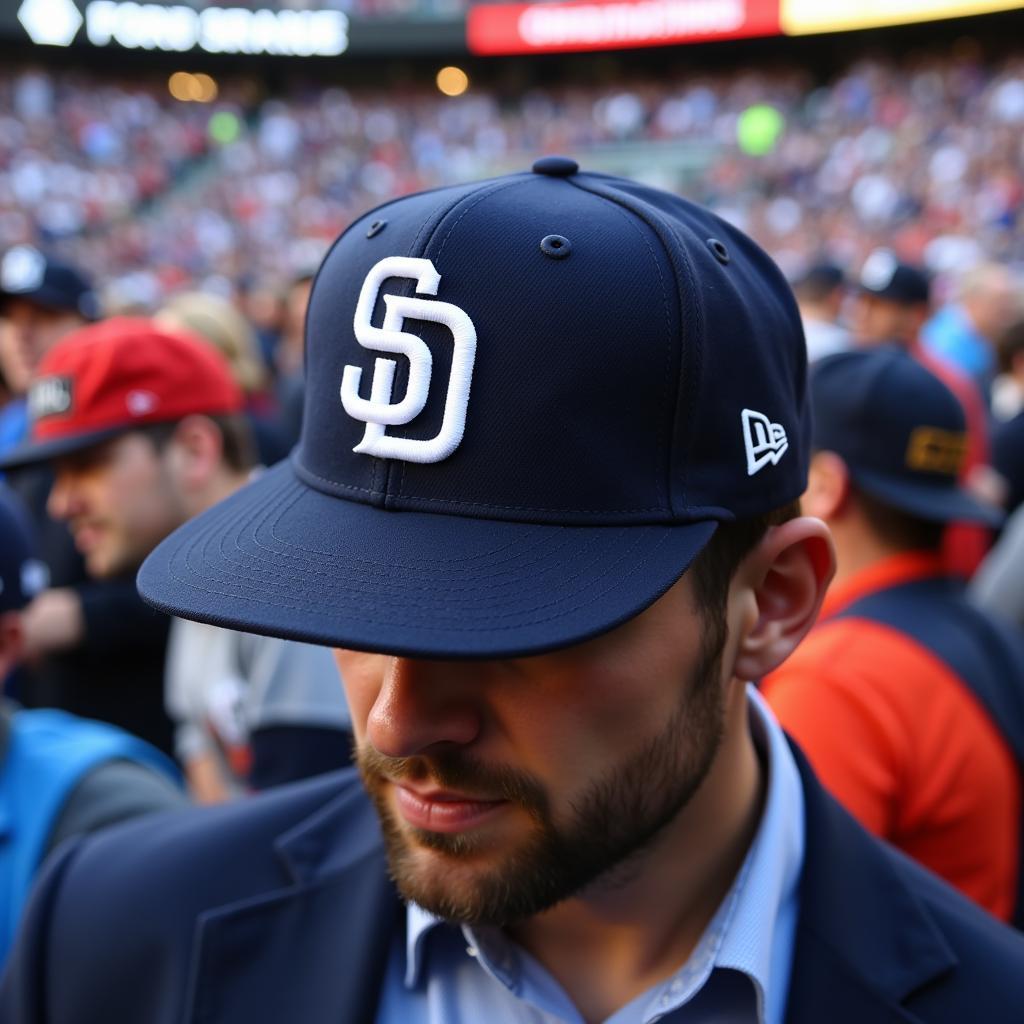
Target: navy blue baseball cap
(529,403)
(27,273)
(901,432)
(889,278)
(22,575)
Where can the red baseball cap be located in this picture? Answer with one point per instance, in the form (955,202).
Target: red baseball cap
(117,375)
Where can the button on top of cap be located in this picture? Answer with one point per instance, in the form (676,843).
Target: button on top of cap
(556,166)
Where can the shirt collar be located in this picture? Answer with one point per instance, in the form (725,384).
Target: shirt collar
(770,876)
(740,936)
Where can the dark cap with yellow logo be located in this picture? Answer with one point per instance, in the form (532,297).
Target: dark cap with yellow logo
(901,432)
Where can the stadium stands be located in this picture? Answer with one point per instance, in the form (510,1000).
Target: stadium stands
(923,156)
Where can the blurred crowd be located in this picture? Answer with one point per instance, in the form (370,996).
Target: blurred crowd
(924,158)
(892,196)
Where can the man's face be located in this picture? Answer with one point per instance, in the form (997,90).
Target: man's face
(119,500)
(505,787)
(27,333)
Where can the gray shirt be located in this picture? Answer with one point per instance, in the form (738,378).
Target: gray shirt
(222,685)
(998,585)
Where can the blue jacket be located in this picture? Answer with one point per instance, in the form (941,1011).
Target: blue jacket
(48,752)
(279,909)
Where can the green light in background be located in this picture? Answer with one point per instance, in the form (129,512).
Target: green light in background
(758,129)
(224,127)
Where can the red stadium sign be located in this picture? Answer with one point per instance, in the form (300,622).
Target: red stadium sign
(501,29)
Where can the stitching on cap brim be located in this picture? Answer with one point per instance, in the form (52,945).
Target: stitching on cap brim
(283,559)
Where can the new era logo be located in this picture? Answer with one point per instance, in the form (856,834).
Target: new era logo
(766,442)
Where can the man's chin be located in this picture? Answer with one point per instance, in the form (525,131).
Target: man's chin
(101,568)
(460,890)
(463,878)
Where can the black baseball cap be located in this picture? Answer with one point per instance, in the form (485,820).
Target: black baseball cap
(822,276)
(887,277)
(27,273)
(530,402)
(901,432)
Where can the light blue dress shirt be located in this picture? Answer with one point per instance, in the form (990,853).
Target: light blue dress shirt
(439,973)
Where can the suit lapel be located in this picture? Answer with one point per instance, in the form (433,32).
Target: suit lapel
(314,950)
(864,942)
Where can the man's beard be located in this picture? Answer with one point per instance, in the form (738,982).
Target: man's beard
(614,819)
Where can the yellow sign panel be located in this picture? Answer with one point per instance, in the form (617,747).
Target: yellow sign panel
(803,17)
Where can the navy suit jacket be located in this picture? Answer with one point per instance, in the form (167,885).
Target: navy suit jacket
(279,909)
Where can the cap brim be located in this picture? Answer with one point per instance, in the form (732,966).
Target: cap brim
(283,559)
(47,297)
(926,501)
(30,453)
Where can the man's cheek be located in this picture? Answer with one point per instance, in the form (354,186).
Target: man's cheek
(360,697)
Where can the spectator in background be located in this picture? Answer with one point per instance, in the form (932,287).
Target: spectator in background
(91,646)
(908,701)
(998,585)
(1008,387)
(290,370)
(965,332)
(262,304)
(144,428)
(218,321)
(1008,460)
(891,306)
(820,292)
(59,775)
(41,300)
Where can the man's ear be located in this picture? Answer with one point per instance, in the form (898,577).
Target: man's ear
(195,452)
(787,575)
(828,486)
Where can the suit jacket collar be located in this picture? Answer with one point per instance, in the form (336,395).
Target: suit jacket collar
(315,948)
(865,942)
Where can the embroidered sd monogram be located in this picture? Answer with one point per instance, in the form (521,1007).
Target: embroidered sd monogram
(379,411)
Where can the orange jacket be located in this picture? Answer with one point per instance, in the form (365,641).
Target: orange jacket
(903,743)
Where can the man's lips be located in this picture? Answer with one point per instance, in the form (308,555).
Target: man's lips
(444,810)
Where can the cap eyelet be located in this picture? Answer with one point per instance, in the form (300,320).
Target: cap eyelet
(376,228)
(555,246)
(719,250)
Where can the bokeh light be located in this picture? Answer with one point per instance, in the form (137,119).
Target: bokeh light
(452,81)
(759,128)
(192,88)
(224,127)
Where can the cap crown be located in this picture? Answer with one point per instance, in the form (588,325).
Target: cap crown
(886,277)
(567,349)
(124,372)
(882,411)
(27,272)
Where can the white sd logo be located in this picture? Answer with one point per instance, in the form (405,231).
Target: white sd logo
(379,411)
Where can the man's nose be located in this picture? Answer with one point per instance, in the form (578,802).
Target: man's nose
(61,502)
(424,704)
